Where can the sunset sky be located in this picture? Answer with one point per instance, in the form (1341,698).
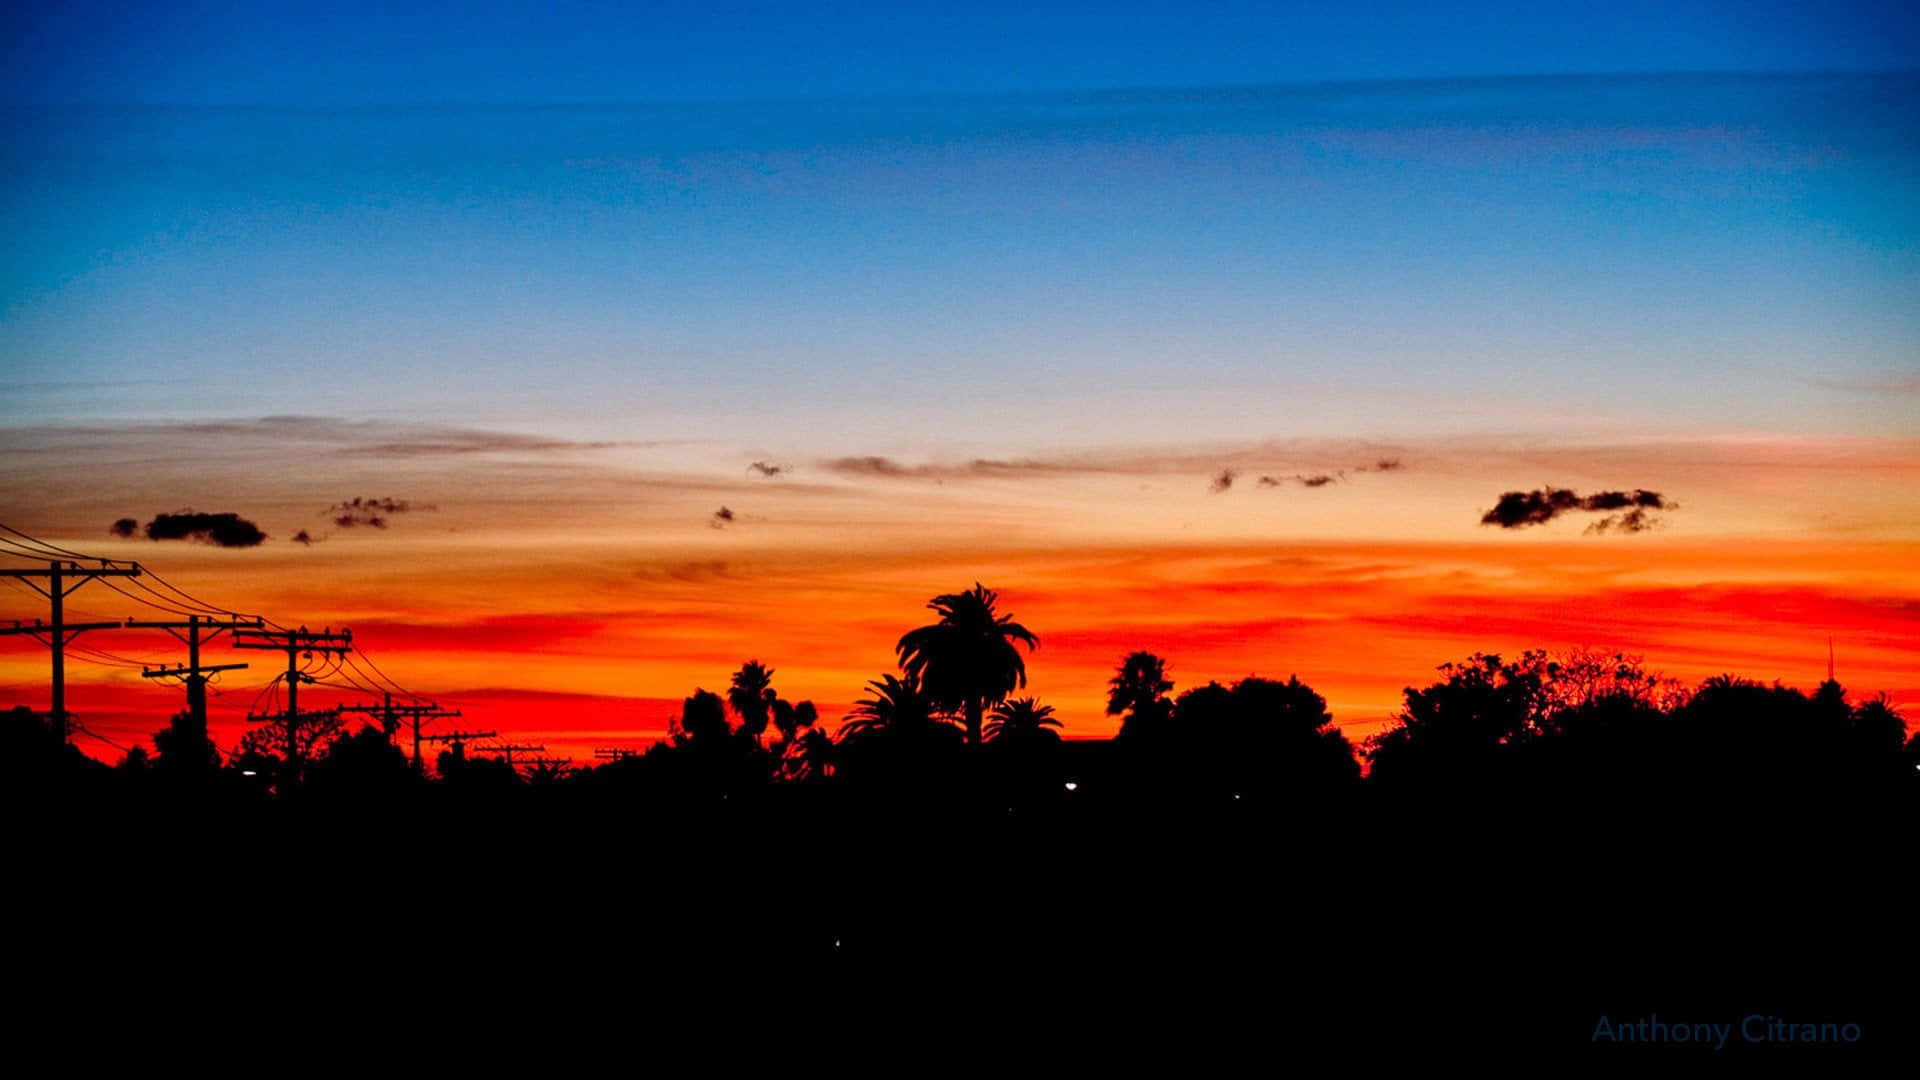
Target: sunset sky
(1079,301)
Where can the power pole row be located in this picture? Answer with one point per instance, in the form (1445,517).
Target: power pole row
(390,715)
(57,633)
(297,644)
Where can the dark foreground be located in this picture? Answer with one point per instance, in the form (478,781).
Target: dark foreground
(828,926)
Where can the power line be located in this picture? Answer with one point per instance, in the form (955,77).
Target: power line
(82,730)
(169,609)
(55,549)
(387,678)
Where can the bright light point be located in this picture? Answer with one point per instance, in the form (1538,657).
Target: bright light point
(248,772)
(1236,796)
(1072,786)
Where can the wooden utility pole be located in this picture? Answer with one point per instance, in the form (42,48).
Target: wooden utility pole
(58,631)
(509,749)
(193,673)
(457,740)
(390,715)
(297,644)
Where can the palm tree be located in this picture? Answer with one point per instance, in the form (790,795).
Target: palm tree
(1139,689)
(751,695)
(811,757)
(1022,721)
(967,659)
(897,707)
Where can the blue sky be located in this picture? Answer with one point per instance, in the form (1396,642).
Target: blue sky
(358,52)
(1008,259)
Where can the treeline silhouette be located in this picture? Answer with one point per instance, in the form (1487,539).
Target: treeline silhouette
(1535,842)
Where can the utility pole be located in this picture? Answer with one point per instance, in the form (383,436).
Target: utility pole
(296,644)
(614,753)
(58,632)
(508,750)
(194,674)
(457,740)
(390,715)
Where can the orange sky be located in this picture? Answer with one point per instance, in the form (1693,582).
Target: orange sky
(572,594)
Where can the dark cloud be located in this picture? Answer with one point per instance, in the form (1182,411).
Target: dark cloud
(124,527)
(222,530)
(1385,464)
(372,512)
(1518,509)
(722,518)
(767,468)
(302,537)
(1316,480)
(1270,481)
(1222,481)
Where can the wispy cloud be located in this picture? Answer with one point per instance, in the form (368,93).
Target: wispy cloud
(356,511)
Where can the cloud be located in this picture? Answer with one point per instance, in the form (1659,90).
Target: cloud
(302,537)
(221,530)
(1313,480)
(722,518)
(871,465)
(125,527)
(1145,461)
(767,468)
(1519,509)
(435,443)
(374,512)
(1633,521)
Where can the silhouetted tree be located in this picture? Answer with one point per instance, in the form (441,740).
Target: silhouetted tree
(790,717)
(544,774)
(269,740)
(702,721)
(1459,725)
(1139,690)
(896,707)
(1021,722)
(185,749)
(895,733)
(968,659)
(363,763)
(811,757)
(1259,737)
(751,695)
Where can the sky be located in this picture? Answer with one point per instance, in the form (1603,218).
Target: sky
(1003,291)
